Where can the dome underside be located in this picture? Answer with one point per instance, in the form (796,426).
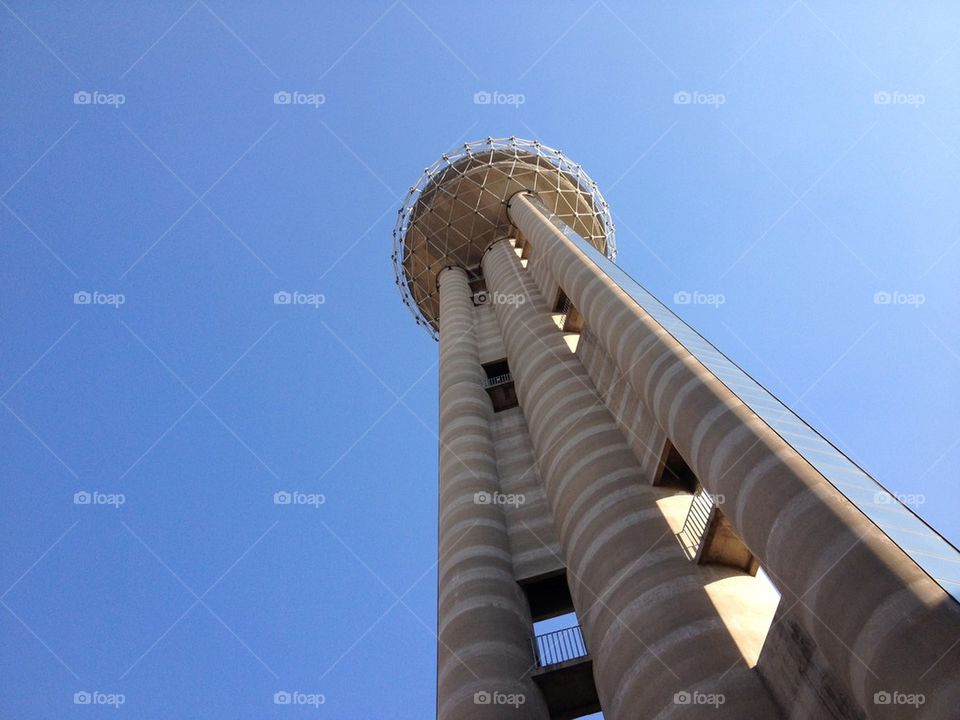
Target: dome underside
(459,208)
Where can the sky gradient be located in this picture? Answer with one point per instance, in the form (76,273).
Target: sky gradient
(797,162)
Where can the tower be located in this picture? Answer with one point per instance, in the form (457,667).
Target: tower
(598,457)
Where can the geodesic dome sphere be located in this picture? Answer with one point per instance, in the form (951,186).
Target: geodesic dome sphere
(458,208)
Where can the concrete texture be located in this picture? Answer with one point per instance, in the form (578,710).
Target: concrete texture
(565,490)
(879,622)
(641,603)
(483,620)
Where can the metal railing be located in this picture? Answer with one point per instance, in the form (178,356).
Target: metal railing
(562,311)
(498,380)
(697,521)
(559,646)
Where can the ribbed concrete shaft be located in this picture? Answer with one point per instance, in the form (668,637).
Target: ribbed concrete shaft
(648,622)
(880,621)
(483,622)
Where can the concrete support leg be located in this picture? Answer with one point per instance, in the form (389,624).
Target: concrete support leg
(655,637)
(484,651)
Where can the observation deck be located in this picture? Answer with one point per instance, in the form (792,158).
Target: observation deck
(458,209)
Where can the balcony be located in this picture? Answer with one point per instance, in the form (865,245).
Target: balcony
(559,646)
(498,382)
(569,320)
(708,536)
(492,382)
(564,673)
(697,522)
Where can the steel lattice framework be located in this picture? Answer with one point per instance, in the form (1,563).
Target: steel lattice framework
(458,208)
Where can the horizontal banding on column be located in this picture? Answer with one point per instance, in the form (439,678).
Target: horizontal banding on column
(604,549)
(763,475)
(481,613)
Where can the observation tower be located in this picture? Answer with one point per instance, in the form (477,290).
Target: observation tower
(628,522)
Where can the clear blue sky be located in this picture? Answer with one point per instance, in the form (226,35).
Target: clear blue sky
(798,199)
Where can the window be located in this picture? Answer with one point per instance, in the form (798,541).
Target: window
(478,289)
(522,248)
(556,628)
(674,471)
(564,668)
(499,385)
(706,536)
(548,595)
(741,593)
(566,315)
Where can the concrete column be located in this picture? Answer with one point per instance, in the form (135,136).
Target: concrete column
(881,622)
(648,622)
(483,621)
